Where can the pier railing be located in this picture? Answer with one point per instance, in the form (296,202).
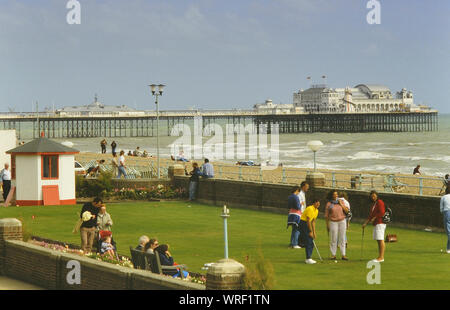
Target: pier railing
(382,182)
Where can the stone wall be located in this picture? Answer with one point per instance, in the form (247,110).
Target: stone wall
(49,268)
(409,210)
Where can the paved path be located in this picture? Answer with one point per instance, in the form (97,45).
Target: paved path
(12,284)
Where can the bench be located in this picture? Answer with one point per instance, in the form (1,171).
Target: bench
(137,258)
(153,264)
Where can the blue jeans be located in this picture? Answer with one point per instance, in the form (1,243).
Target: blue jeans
(121,171)
(446,215)
(192,189)
(295,234)
(307,240)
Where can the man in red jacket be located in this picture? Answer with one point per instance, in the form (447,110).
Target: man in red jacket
(376,217)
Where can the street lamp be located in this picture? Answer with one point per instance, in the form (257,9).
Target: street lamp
(314,146)
(157,94)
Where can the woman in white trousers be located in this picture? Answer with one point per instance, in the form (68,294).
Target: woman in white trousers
(336,224)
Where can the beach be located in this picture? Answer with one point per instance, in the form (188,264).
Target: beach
(431,185)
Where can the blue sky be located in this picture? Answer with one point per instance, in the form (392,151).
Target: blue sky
(218,54)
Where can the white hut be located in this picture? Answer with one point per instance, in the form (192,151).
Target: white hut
(43,173)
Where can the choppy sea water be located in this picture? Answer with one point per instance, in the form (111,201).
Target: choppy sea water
(384,152)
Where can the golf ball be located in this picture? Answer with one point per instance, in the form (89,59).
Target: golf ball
(442,250)
(335,261)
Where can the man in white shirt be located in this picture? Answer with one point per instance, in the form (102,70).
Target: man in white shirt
(207,169)
(304,186)
(122,166)
(445,210)
(5,178)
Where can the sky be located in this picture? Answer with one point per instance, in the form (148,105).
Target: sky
(217,54)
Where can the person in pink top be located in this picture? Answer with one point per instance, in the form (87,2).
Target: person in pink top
(336,223)
(376,217)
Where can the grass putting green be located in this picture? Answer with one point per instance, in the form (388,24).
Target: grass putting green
(195,234)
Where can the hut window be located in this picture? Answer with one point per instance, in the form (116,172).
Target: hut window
(49,166)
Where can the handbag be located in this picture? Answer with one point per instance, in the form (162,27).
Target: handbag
(391,238)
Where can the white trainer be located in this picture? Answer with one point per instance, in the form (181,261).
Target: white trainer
(448,251)
(377,261)
(310,261)
(296,247)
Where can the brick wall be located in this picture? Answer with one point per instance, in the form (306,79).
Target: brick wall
(48,268)
(409,210)
(10,229)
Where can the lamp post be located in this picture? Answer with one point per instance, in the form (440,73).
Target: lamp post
(314,146)
(225,215)
(315,178)
(157,94)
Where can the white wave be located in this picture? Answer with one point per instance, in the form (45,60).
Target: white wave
(368,155)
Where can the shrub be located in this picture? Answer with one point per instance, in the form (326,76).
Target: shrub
(259,273)
(100,186)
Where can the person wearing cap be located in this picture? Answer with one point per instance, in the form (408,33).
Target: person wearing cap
(308,229)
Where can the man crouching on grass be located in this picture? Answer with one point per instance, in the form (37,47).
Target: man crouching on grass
(308,228)
(376,217)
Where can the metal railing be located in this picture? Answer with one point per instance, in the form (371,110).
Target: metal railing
(383,182)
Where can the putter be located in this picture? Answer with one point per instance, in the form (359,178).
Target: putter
(362,244)
(328,246)
(320,257)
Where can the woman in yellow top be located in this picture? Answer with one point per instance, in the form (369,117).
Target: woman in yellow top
(308,228)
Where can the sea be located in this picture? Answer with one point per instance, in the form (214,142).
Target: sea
(383,151)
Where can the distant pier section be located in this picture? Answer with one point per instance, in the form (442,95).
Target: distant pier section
(364,108)
(54,126)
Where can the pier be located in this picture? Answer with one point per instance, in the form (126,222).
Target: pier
(54,126)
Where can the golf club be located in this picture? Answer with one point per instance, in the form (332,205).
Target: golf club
(328,245)
(362,244)
(320,257)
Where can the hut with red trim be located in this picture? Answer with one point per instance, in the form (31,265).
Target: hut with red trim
(43,173)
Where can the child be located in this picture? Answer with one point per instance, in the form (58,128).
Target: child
(107,247)
(343,199)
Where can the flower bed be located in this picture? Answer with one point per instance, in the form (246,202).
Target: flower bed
(122,261)
(103,187)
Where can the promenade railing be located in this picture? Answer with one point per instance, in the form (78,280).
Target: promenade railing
(382,182)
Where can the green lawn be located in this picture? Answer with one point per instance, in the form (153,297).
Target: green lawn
(195,234)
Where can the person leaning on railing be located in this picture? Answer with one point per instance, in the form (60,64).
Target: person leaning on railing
(193,180)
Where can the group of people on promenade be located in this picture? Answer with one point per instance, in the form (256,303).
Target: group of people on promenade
(302,219)
(206,171)
(152,246)
(137,152)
